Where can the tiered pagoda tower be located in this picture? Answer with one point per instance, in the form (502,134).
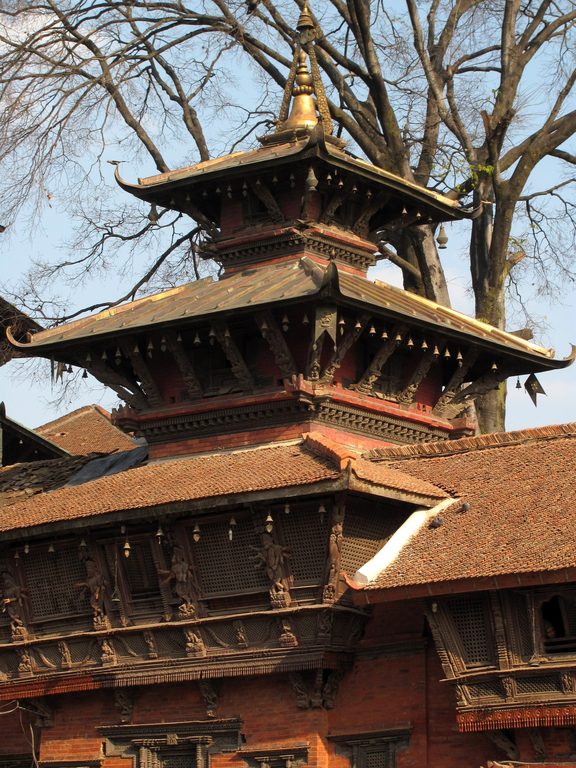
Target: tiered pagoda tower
(293,336)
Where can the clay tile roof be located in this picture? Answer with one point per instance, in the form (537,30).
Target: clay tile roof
(180,480)
(522,507)
(86,430)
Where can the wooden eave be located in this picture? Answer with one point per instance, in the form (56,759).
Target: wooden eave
(366,595)
(208,507)
(162,188)
(283,286)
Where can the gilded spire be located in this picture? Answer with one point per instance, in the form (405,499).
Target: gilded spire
(304,87)
(303,112)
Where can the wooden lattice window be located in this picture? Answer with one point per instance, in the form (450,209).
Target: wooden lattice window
(141,576)
(365,533)
(558,623)
(225,565)
(471,620)
(305,533)
(53,582)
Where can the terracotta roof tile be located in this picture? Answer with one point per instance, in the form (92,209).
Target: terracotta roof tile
(181,480)
(522,516)
(86,430)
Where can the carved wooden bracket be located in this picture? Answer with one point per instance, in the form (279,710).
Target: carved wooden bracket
(407,395)
(264,194)
(365,383)
(234,356)
(140,367)
(185,366)
(316,690)
(462,398)
(456,381)
(271,332)
(347,341)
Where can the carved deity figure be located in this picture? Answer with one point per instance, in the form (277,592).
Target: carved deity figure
(334,557)
(194,643)
(108,654)
(182,574)
(96,585)
(271,557)
(13,596)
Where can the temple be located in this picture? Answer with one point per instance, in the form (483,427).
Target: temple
(289,546)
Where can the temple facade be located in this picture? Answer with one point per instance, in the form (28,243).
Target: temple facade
(310,557)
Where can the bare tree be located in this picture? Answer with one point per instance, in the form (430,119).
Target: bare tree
(466,96)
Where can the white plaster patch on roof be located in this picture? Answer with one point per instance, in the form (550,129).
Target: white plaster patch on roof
(397,542)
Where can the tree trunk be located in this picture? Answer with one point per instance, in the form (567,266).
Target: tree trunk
(488,253)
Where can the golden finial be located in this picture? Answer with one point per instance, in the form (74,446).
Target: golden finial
(304,86)
(303,113)
(305,21)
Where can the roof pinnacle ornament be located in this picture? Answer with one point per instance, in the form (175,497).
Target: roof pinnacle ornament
(304,88)
(303,113)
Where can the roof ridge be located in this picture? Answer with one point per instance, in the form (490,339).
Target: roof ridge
(475,443)
(321,445)
(75,413)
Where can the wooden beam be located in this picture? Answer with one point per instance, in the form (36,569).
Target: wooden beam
(361,224)
(234,356)
(271,331)
(126,390)
(332,206)
(185,366)
(462,398)
(266,197)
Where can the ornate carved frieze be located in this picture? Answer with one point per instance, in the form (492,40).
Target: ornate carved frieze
(288,243)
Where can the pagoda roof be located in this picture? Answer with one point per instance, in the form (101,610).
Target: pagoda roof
(313,465)
(513,517)
(310,144)
(278,284)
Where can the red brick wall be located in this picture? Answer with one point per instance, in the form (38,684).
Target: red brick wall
(15,735)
